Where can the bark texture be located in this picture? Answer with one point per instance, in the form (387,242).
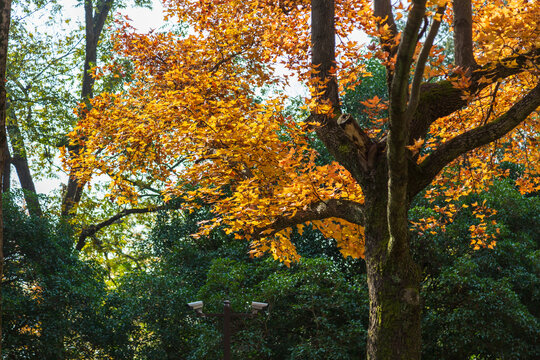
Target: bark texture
(6,174)
(5,19)
(463,43)
(394,288)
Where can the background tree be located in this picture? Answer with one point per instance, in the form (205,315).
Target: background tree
(5,18)
(256,167)
(40,81)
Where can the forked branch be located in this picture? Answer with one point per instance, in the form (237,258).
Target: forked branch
(93,229)
(421,62)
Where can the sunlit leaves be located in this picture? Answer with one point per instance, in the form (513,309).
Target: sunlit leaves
(204,118)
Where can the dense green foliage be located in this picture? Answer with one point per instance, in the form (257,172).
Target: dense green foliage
(55,305)
(315,312)
(483,302)
(478,304)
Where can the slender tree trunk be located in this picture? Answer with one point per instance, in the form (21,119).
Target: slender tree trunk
(5,18)
(394,288)
(20,161)
(94,22)
(6,175)
(463,44)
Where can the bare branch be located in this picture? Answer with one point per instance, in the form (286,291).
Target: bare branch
(344,209)
(400,81)
(91,230)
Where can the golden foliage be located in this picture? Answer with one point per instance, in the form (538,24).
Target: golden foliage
(194,121)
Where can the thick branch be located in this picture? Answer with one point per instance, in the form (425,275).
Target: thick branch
(400,82)
(365,147)
(463,44)
(477,137)
(442,99)
(90,50)
(323,59)
(101,13)
(421,63)
(323,44)
(93,229)
(398,134)
(345,151)
(344,209)
(383,9)
(94,25)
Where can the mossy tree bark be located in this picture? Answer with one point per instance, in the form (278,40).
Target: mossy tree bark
(393,281)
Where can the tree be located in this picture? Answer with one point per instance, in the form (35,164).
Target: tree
(40,80)
(481,303)
(193,124)
(5,19)
(94,22)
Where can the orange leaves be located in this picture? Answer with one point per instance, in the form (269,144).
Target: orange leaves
(484,233)
(476,170)
(504,28)
(280,247)
(415,148)
(349,237)
(203,118)
(374,103)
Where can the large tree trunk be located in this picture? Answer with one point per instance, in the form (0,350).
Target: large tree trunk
(5,19)
(394,287)
(393,281)
(393,278)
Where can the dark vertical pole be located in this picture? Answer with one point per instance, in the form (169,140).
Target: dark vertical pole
(226,330)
